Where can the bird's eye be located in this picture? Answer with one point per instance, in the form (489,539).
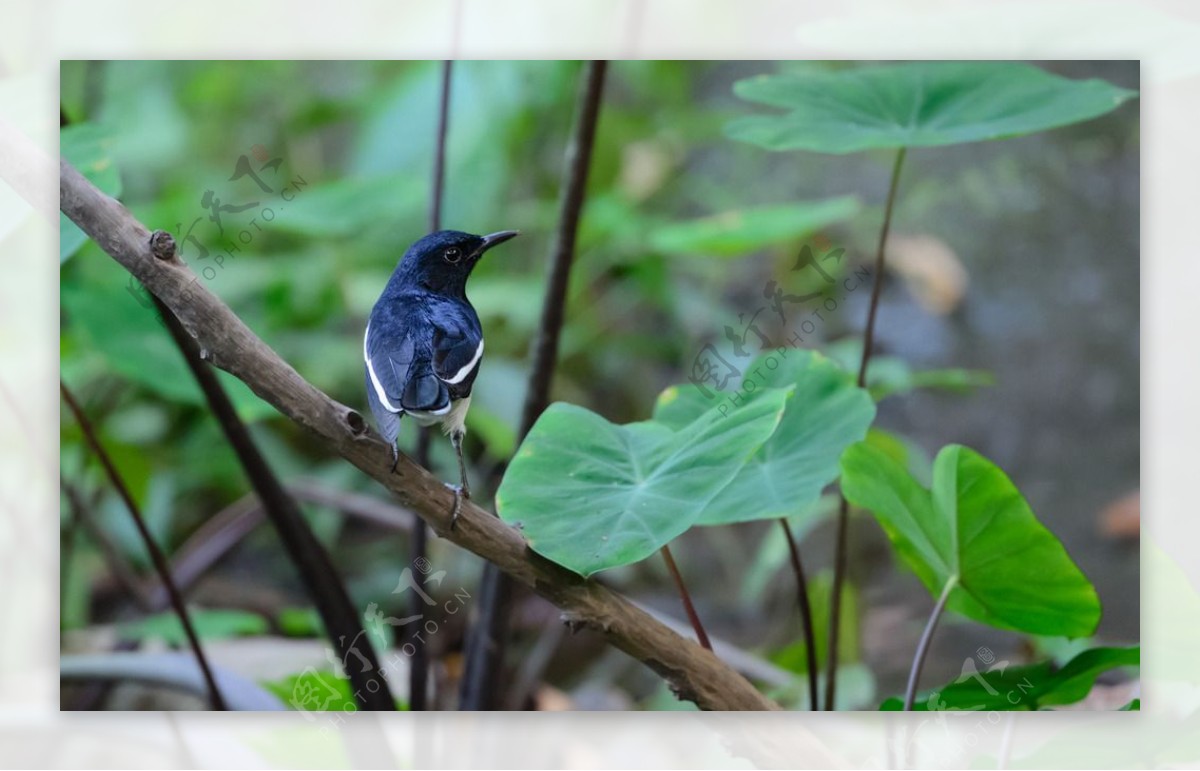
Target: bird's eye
(453,254)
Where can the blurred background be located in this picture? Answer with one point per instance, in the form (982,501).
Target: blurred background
(294,187)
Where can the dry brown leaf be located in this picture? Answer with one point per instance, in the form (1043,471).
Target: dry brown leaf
(930,269)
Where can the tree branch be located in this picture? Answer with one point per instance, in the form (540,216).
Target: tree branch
(692,672)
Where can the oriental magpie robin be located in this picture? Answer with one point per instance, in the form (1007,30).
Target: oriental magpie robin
(423,342)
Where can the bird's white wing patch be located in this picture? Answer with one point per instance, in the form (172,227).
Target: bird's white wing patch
(461,375)
(383,399)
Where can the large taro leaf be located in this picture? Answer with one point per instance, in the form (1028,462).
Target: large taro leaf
(88,148)
(916,104)
(592,495)
(1027,687)
(976,530)
(827,414)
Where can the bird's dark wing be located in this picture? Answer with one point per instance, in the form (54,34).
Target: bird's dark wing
(387,420)
(398,363)
(388,351)
(457,351)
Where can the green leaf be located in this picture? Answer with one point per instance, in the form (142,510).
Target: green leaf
(300,622)
(114,321)
(892,375)
(1028,687)
(794,657)
(209,624)
(974,528)
(591,495)
(1133,706)
(827,414)
(346,206)
(771,554)
(88,148)
(736,233)
(916,104)
(314,691)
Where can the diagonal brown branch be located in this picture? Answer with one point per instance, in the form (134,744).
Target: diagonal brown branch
(693,673)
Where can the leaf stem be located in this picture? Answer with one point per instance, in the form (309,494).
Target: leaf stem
(840,547)
(914,674)
(159,560)
(810,642)
(688,608)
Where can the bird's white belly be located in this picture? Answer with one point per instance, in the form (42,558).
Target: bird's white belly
(453,421)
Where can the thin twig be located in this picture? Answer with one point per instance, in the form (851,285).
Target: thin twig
(439,150)
(806,621)
(485,648)
(693,673)
(533,665)
(317,571)
(157,557)
(225,529)
(840,546)
(118,566)
(688,607)
(209,542)
(914,674)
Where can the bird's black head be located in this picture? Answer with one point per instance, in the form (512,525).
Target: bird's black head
(441,261)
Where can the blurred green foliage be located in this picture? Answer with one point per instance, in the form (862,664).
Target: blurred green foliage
(319,175)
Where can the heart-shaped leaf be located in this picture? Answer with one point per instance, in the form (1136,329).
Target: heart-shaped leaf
(974,528)
(916,104)
(827,414)
(591,495)
(1025,687)
(88,148)
(736,233)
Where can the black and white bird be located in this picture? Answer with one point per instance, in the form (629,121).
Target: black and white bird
(424,343)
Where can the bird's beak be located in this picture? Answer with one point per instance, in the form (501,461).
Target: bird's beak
(494,239)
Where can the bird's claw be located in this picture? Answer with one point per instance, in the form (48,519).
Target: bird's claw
(459,494)
(395,458)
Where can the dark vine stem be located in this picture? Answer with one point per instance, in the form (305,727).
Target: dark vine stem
(157,558)
(810,641)
(485,646)
(688,607)
(418,673)
(840,547)
(914,674)
(315,566)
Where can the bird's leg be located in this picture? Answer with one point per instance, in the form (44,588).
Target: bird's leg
(395,457)
(463,490)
